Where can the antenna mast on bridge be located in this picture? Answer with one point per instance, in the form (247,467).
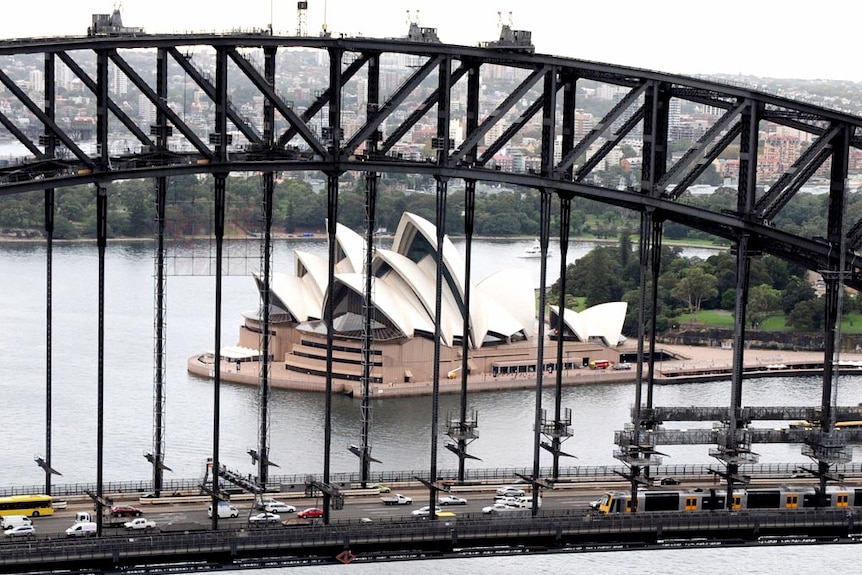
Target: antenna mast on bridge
(325,32)
(302,18)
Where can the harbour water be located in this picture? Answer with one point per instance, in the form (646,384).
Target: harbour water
(400,426)
(768,560)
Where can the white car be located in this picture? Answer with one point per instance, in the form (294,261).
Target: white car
(451,500)
(510,501)
(262,504)
(510,491)
(265,518)
(497,507)
(279,507)
(140,523)
(423,511)
(20,531)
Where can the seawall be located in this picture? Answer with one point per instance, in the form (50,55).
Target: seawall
(695,364)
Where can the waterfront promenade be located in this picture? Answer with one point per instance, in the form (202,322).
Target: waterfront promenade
(691,363)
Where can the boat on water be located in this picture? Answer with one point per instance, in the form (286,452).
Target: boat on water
(534,251)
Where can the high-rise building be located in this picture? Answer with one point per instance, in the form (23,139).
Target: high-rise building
(146,110)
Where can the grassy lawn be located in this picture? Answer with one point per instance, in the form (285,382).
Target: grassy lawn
(709,317)
(852,322)
(775,323)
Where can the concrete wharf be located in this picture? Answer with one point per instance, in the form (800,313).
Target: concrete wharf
(691,363)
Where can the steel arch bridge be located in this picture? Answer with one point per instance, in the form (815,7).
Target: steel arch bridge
(373,95)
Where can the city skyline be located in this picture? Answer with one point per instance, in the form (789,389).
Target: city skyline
(657,36)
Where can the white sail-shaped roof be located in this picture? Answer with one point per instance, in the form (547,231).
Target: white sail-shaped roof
(314,272)
(385,300)
(510,302)
(603,321)
(292,293)
(410,225)
(421,286)
(405,287)
(351,246)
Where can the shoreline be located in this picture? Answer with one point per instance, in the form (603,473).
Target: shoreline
(696,364)
(9,239)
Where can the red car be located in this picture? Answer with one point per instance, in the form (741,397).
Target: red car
(125,511)
(310,513)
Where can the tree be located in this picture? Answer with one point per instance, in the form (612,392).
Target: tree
(596,276)
(695,286)
(796,291)
(625,248)
(762,300)
(808,315)
(505,224)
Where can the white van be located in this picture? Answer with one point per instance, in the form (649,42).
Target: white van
(224,510)
(10,521)
(527,502)
(81,529)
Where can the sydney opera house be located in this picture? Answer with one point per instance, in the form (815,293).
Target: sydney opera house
(502,336)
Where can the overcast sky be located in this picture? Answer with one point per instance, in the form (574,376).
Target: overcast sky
(785,39)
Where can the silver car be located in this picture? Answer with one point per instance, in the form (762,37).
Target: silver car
(510,491)
(424,511)
(278,507)
(20,531)
(262,518)
(451,500)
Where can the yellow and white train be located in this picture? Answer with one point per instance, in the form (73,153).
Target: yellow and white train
(705,500)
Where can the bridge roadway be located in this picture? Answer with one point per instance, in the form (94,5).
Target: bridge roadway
(367,530)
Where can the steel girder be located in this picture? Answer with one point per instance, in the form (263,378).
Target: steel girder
(302,146)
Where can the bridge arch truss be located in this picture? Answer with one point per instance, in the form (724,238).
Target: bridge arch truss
(360,113)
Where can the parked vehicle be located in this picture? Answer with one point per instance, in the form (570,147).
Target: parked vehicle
(20,531)
(81,529)
(140,523)
(224,510)
(451,500)
(125,511)
(265,517)
(397,499)
(310,513)
(10,521)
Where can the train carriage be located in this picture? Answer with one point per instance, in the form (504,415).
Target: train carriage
(694,500)
(688,500)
